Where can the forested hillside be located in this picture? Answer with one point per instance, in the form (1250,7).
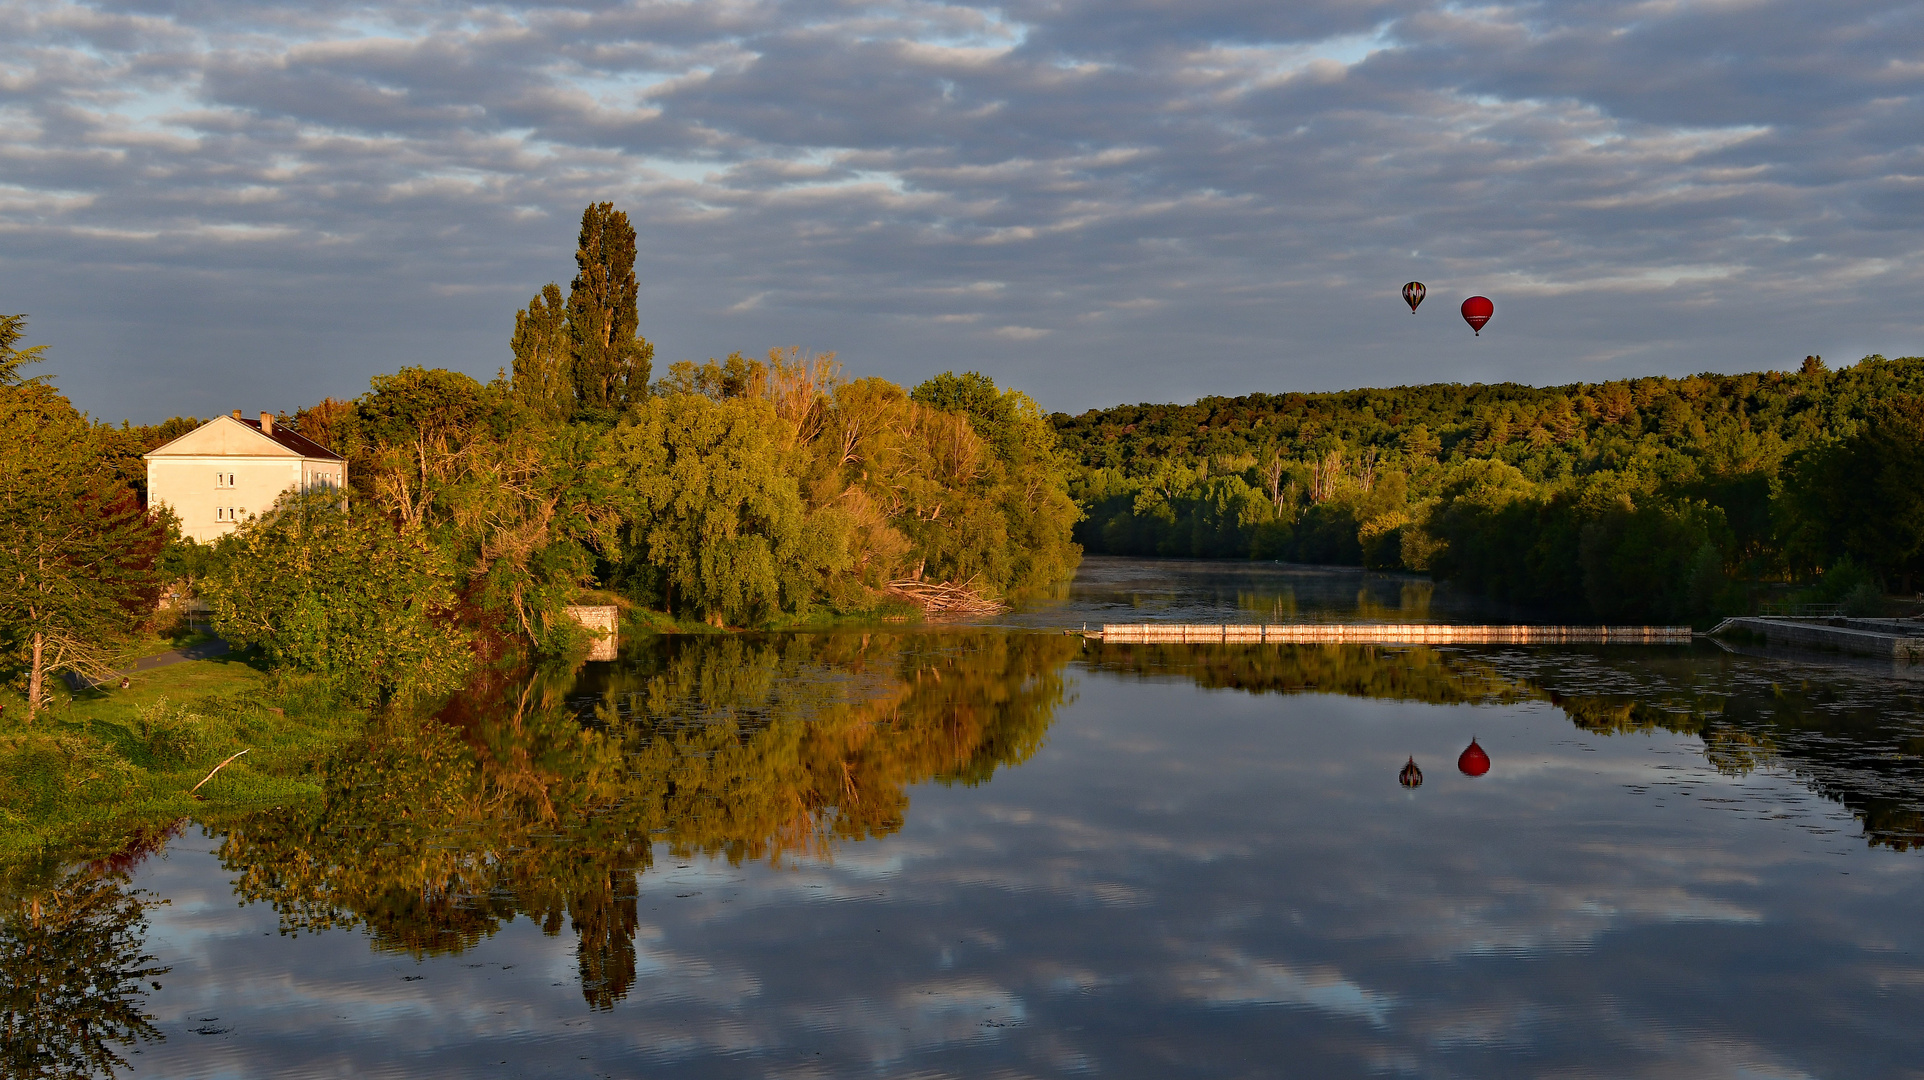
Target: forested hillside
(1651,498)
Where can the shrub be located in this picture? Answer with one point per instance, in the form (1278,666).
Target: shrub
(175,734)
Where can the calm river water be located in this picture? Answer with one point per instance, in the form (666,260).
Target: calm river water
(997,851)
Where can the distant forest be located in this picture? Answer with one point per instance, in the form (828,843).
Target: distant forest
(1642,499)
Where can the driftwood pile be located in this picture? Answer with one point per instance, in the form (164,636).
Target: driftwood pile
(946,600)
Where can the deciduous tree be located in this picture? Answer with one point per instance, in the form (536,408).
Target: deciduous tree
(342,594)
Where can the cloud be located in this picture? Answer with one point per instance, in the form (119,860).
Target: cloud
(200,203)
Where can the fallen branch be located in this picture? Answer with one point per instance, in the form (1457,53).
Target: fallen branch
(940,599)
(210,775)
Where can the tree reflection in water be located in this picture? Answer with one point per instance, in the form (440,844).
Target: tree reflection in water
(73,968)
(1852,750)
(546,796)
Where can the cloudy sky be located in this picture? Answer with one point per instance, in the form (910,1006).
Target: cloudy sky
(212,205)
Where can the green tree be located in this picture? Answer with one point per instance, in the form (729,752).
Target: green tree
(77,552)
(611,361)
(410,434)
(342,594)
(716,514)
(12,357)
(1010,519)
(1863,496)
(544,357)
(526,521)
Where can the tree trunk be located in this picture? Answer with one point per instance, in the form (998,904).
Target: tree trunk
(36,677)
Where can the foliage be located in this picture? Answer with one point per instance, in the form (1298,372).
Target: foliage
(112,758)
(1644,498)
(174,734)
(73,973)
(12,357)
(544,357)
(342,594)
(715,512)
(1862,495)
(77,552)
(610,361)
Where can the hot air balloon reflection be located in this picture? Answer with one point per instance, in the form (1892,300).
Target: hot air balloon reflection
(1477,311)
(1473,761)
(1413,294)
(1411,776)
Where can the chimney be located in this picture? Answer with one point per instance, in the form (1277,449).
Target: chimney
(267,423)
(237,414)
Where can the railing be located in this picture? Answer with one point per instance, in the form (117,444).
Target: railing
(1800,611)
(1388,634)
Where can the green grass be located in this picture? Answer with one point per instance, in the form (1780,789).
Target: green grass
(102,765)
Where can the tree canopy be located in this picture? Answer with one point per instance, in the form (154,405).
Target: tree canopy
(1653,498)
(78,553)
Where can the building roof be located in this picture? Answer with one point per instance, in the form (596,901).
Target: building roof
(297,442)
(206,440)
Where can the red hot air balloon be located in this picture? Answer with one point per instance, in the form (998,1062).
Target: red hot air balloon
(1473,761)
(1477,311)
(1413,294)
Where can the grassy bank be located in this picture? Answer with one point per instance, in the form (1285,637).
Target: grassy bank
(102,765)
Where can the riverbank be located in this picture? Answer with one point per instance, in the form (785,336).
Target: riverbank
(104,764)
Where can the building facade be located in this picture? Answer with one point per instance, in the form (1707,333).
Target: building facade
(228,469)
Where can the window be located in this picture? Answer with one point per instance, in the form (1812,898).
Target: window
(224,480)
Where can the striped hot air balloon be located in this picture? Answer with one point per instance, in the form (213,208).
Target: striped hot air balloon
(1413,294)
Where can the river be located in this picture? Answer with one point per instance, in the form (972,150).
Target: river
(1000,850)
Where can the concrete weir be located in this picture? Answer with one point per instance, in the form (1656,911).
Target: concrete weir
(1389,634)
(1890,639)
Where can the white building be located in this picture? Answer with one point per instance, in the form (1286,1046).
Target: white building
(218,474)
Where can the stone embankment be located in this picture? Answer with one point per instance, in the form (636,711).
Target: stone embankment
(1888,639)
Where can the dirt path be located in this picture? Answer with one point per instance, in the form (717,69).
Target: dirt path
(200,650)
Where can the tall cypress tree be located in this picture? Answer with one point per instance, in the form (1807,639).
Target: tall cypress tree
(544,356)
(611,360)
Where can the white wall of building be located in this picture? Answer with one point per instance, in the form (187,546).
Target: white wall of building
(225,472)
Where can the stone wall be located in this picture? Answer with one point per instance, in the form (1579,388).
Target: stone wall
(599,618)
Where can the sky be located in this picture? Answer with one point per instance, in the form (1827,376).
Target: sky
(207,206)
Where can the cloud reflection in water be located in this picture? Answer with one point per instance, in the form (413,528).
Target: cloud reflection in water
(1205,867)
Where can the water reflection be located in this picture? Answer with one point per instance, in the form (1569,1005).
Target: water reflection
(546,797)
(714,848)
(1113,589)
(1856,739)
(74,970)
(1473,761)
